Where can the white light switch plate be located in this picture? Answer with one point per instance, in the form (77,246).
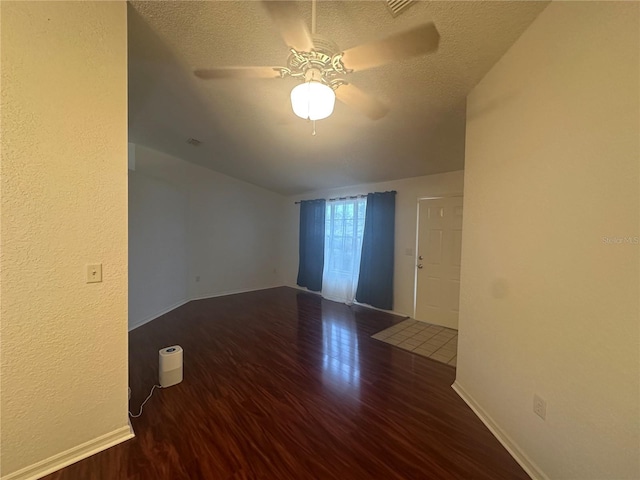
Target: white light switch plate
(94,273)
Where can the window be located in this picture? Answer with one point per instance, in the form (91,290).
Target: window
(344,227)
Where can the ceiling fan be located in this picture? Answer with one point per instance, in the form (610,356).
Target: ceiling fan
(321,66)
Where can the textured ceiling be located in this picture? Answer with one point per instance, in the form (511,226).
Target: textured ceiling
(247,127)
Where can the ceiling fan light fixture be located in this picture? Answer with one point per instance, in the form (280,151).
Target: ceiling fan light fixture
(312,100)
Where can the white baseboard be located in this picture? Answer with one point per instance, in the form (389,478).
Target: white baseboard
(298,287)
(139,323)
(392,312)
(514,450)
(146,320)
(73,455)
(233,292)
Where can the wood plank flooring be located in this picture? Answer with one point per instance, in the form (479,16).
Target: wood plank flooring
(280,384)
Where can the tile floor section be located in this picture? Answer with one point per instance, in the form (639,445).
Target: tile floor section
(433,341)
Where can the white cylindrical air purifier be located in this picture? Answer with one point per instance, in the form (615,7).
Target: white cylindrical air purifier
(170,360)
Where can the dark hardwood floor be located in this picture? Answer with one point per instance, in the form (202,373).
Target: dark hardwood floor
(280,384)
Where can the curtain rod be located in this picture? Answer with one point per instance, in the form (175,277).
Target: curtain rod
(340,198)
(347,198)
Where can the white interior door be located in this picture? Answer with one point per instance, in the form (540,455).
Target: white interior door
(438,261)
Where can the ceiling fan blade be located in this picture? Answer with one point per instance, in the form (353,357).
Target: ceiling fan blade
(237,72)
(292,27)
(356,98)
(410,43)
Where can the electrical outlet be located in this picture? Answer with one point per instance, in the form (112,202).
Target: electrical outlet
(539,406)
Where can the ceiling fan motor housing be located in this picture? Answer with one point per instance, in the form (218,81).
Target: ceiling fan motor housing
(324,45)
(322,64)
(313,75)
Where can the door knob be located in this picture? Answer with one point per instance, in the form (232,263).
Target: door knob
(419,265)
(420,257)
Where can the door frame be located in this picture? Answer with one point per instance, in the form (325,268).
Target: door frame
(415,254)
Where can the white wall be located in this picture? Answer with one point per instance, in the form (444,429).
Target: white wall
(409,190)
(234,235)
(158,253)
(63,206)
(232,231)
(547,305)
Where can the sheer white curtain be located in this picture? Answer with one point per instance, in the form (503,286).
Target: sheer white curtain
(342,248)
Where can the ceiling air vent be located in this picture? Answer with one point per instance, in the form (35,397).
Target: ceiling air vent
(193,141)
(396,7)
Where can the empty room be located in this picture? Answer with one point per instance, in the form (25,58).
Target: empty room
(320,240)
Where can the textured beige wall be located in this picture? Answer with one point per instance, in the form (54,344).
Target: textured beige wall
(63,206)
(548,304)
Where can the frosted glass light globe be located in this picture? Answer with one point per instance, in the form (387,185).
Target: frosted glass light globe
(313,100)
